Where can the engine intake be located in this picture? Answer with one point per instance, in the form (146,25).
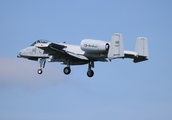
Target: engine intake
(90,45)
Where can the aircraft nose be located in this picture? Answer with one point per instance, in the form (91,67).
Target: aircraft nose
(20,53)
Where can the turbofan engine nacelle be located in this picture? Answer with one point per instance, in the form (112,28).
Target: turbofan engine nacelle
(90,45)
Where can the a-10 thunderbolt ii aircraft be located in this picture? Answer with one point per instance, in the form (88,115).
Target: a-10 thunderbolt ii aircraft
(88,52)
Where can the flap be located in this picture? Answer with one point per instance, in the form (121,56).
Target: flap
(77,56)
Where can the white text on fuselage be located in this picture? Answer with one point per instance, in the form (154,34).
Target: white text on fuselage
(88,45)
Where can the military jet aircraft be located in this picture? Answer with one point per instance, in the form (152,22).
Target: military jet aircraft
(88,52)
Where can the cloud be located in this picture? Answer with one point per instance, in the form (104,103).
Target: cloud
(22,72)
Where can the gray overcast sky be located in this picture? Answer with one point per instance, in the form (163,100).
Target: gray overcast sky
(119,90)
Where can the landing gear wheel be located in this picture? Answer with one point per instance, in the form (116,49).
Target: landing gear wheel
(39,71)
(67,70)
(90,73)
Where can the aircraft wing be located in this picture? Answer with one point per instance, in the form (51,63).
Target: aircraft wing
(51,47)
(55,48)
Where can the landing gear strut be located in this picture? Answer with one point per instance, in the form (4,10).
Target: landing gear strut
(67,69)
(42,65)
(90,72)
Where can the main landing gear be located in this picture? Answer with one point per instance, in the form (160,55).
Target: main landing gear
(67,70)
(90,72)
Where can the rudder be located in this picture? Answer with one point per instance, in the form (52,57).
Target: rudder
(142,49)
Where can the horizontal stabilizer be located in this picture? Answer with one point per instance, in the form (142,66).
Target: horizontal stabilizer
(116,49)
(142,49)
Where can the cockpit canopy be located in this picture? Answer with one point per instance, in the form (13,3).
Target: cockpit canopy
(40,41)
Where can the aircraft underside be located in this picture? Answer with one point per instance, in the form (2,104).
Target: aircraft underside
(68,62)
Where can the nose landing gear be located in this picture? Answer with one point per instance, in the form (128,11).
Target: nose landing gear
(42,65)
(39,71)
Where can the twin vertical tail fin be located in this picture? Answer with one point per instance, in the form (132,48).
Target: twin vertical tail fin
(142,49)
(116,49)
